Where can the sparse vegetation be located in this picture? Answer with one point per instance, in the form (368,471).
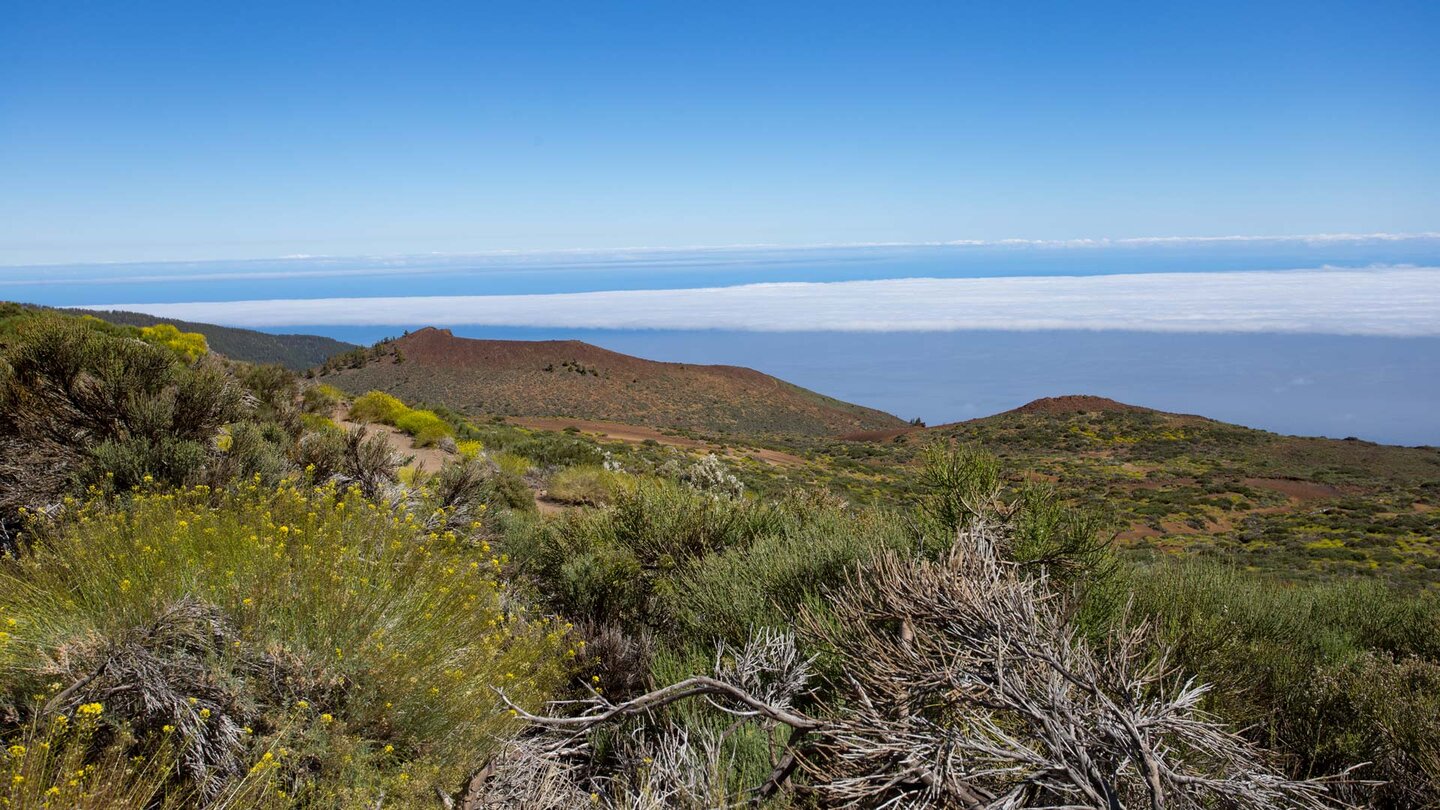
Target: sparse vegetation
(232,601)
(295,352)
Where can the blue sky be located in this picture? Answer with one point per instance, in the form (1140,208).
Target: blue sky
(940,209)
(153,131)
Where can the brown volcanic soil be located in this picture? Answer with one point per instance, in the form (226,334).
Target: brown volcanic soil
(1299,490)
(573,379)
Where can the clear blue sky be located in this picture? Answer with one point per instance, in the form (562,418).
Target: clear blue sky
(147,130)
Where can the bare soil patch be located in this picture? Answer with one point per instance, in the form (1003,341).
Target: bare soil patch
(1299,490)
(429,459)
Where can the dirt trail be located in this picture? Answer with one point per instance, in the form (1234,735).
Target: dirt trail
(634,434)
(428,459)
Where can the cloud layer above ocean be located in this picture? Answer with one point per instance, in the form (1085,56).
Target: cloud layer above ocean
(1390,301)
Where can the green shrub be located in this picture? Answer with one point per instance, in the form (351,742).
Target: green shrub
(324,624)
(727,594)
(80,406)
(610,565)
(509,491)
(1330,674)
(557,450)
(273,385)
(590,485)
(321,398)
(354,456)
(316,423)
(514,464)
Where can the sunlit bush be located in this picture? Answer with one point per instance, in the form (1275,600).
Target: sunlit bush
(425,427)
(350,632)
(377,406)
(589,485)
(189,345)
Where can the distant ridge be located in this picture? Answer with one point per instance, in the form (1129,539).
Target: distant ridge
(1077,403)
(1059,406)
(574,379)
(296,352)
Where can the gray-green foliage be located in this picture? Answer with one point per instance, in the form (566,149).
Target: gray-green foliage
(728,593)
(963,485)
(609,564)
(1331,674)
(80,405)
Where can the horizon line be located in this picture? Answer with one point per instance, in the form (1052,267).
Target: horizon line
(1074,243)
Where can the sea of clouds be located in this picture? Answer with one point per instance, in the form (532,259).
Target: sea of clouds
(1382,301)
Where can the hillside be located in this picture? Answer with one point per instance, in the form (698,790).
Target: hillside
(574,379)
(297,352)
(1298,506)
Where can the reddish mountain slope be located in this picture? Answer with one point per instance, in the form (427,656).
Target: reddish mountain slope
(575,379)
(1076,403)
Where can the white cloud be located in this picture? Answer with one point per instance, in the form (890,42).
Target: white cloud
(1402,301)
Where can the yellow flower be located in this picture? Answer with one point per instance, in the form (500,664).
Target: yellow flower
(247,601)
(17,751)
(18,779)
(91,709)
(167,728)
(204,714)
(327,718)
(389,749)
(302,704)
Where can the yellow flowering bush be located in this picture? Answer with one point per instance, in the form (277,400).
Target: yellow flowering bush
(189,345)
(405,620)
(426,427)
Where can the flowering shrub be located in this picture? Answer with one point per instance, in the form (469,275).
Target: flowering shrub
(189,345)
(426,427)
(377,406)
(362,635)
(709,474)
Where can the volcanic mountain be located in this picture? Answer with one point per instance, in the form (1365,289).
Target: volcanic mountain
(575,379)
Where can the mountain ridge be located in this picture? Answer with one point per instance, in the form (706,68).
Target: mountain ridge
(296,352)
(570,378)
